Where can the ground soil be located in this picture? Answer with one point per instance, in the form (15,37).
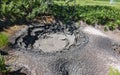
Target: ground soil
(114,34)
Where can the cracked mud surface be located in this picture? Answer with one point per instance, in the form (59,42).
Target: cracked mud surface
(81,53)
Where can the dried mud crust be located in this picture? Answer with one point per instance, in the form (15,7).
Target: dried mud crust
(94,59)
(116,47)
(19,70)
(49,39)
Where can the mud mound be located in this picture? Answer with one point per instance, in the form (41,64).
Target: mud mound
(49,38)
(63,50)
(39,47)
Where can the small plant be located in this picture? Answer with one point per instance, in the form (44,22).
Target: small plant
(13,10)
(113,71)
(3,40)
(3,68)
(111,26)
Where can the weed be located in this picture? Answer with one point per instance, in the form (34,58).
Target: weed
(3,40)
(113,71)
(3,68)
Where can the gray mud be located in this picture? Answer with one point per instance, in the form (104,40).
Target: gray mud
(62,50)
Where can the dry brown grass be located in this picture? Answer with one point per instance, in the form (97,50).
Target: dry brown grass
(45,19)
(11,30)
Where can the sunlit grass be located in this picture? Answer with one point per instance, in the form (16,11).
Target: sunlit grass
(113,71)
(3,40)
(93,2)
(84,2)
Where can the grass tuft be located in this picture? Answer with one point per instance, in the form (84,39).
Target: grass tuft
(113,71)
(3,40)
(3,68)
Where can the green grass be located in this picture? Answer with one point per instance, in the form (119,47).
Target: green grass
(113,71)
(116,3)
(3,67)
(92,12)
(3,40)
(95,2)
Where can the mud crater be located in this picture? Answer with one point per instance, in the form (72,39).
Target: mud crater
(49,38)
